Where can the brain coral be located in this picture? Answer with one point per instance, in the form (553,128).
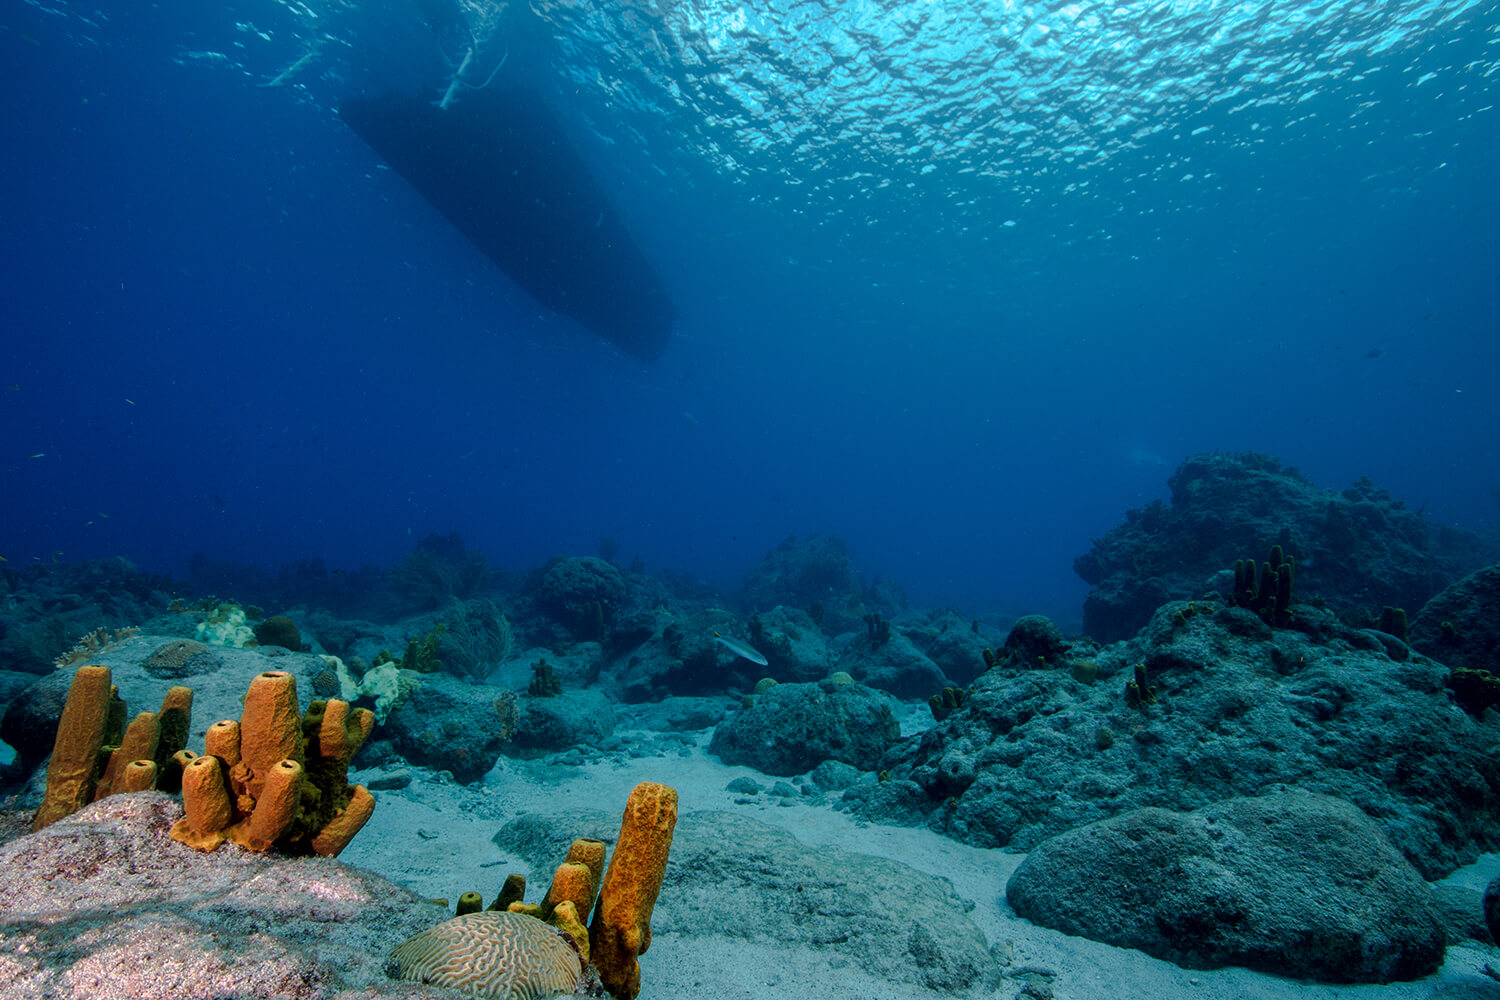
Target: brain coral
(493,953)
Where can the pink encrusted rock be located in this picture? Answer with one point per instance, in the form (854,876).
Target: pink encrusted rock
(104,904)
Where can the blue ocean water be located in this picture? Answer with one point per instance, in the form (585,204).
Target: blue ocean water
(958,281)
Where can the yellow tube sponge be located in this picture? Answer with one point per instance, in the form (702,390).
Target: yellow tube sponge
(588,851)
(169,775)
(621,930)
(75,753)
(335,836)
(275,808)
(572,882)
(565,918)
(137,776)
(206,802)
(223,741)
(270,727)
(139,743)
(342,732)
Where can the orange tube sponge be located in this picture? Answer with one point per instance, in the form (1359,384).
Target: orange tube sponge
(275,808)
(223,741)
(270,727)
(169,775)
(206,802)
(621,930)
(341,732)
(572,882)
(138,743)
(75,753)
(590,852)
(137,776)
(565,918)
(335,836)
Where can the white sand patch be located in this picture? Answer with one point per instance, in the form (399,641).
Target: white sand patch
(434,838)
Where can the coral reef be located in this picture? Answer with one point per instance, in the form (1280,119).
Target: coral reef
(1245,708)
(45,608)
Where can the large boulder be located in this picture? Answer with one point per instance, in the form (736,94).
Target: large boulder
(578,717)
(954,643)
(891,662)
(1292,883)
(452,725)
(584,593)
(792,728)
(815,571)
(793,644)
(1461,626)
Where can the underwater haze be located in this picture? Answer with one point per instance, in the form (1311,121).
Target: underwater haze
(958,281)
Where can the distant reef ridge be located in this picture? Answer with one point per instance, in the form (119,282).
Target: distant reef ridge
(1357,550)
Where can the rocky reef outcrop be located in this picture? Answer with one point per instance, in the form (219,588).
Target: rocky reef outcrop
(1363,549)
(1208,702)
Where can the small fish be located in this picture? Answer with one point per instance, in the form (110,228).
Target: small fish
(11,388)
(3,559)
(740,647)
(128,400)
(40,454)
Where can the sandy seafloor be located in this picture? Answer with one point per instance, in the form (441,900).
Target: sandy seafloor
(444,833)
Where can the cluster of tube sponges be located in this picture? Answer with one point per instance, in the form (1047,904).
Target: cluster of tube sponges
(275,778)
(504,951)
